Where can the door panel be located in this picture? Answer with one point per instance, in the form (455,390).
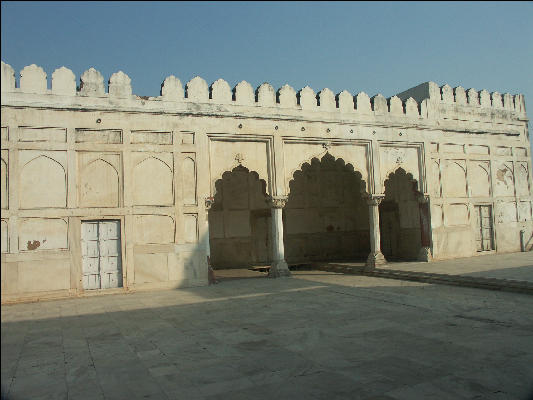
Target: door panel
(90,248)
(479,241)
(484,232)
(101,254)
(110,247)
(91,281)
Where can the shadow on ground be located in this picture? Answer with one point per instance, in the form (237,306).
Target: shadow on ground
(316,335)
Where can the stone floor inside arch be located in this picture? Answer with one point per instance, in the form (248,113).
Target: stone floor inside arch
(317,335)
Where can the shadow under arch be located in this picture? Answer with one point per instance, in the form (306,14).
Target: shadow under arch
(240,221)
(326,216)
(399,217)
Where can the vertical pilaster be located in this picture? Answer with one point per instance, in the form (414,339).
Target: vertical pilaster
(13,191)
(375,257)
(278,168)
(425,228)
(279,266)
(72,173)
(374,168)
(128,278)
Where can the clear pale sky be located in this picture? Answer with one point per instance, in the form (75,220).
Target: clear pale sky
(372,47)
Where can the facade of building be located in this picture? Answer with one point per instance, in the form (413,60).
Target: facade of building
(113,191)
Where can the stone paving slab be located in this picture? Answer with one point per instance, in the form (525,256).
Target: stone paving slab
(318,335)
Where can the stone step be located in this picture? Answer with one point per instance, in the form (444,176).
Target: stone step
(509,285)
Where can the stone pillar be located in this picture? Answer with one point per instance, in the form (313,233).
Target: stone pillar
(279,265)
(425,233)
(375,257)
(210,273)
(208,203)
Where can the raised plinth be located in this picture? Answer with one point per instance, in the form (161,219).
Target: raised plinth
(424,254)
(279,269)
(374,260)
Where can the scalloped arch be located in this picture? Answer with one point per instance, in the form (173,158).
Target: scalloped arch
(397,173)
(319,158)
(394,170)
(400,170)
(239,168)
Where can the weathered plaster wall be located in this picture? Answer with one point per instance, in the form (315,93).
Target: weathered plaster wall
(72,155)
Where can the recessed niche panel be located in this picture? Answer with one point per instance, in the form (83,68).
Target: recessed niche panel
(151,137)
(187,137)
(30,134)
(98,136)
(43,234)
(43,179)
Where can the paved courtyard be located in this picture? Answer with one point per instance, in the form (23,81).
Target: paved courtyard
(319,335)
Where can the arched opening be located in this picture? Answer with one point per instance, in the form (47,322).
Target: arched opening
(240,221)
(326,217)
(399,218)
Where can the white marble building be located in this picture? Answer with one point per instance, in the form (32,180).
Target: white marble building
(106,190)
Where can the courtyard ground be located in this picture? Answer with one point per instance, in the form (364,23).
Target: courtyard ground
(318,335)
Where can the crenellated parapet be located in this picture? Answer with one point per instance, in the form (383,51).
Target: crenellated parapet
(424,101)
(445,100)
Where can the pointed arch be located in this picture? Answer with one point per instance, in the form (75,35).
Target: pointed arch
(99,185)
(148,191)
(43,183)
(479,182)
(522,179)
(4,183)
(454,179)
(189,180)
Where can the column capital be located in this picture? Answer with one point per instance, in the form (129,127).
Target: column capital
(374,199)
(209,201)
(278,201)
(423,198)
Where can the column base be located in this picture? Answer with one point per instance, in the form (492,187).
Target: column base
(279,269)
(425,254)
(374,260)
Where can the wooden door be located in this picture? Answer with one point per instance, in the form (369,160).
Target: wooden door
(484,232)
(101,254)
